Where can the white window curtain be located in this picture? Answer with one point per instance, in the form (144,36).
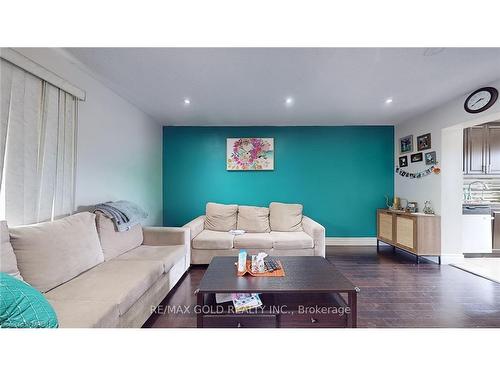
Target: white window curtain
(37,148)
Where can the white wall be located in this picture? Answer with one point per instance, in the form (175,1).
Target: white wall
(119,147)
(451,183)
(445,123)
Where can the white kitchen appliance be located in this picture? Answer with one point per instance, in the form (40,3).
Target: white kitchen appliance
(476,230)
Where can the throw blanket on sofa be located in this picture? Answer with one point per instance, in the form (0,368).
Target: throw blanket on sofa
(124,214)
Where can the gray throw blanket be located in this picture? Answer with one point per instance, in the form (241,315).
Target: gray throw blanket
(124,214)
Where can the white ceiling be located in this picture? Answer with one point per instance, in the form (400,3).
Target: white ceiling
(329,86)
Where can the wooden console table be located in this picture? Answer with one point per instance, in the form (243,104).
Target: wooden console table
(418,234)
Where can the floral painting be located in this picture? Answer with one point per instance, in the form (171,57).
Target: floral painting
(250,154)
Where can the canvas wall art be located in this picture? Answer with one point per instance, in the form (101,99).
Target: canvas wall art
(406,144)
(250,154)
(424,142)
(430,158)
(415,158)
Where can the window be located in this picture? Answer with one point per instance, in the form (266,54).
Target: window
(37,148)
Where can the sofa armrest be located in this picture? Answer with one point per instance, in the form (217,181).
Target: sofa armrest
(196,226)
(164,236)
(317,232)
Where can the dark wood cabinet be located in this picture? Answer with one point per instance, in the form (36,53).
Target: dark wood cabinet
(493,141)
(482,150)
(475,148)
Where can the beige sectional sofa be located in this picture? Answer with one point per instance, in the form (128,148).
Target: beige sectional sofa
(94,276)
(279,230)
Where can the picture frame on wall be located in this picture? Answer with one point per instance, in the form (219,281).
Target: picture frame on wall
(430,158)
(403,161)
(424,142)
(406,144)
(415,158)
(250,154)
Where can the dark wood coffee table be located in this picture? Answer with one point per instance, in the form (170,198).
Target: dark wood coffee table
(312,294)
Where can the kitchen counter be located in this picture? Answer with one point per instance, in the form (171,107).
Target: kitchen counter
(479,208)
(476,210)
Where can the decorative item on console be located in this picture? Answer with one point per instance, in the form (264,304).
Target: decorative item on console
(395,206)
(428,208)
(404,203)
(412,207)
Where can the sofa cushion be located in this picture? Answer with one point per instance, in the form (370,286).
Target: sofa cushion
(8,261)
(221,217)
(291,240)
(285,217)
(49,254)
(116,282)
(115,243)
(168,255)
(253,219)
(209,239)
(253,241)
(85,314)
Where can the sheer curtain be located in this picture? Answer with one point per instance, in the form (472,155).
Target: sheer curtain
(37,148)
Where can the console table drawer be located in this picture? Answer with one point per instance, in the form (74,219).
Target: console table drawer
(239,321)
(313,321)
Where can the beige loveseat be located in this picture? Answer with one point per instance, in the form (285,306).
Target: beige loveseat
(279,230)
(91,274)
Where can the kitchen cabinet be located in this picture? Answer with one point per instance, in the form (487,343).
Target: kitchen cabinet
(475,147)
(493,140)
(418,234)
(482,150)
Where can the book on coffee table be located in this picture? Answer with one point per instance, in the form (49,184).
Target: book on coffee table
(245,301)
(223,297)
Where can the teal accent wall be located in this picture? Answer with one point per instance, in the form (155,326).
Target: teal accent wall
(339,173)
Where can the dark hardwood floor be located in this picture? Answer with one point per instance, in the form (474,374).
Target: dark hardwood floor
(395,292)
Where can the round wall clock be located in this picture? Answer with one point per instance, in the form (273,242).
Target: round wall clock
(481,99)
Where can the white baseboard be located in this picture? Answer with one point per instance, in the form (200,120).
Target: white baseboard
(351,241)
(452,258)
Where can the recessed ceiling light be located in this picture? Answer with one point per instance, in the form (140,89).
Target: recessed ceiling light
(187,101)
(388,101)
(289,101)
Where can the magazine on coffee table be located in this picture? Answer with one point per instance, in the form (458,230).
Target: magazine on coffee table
(241,301)
(246,301)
